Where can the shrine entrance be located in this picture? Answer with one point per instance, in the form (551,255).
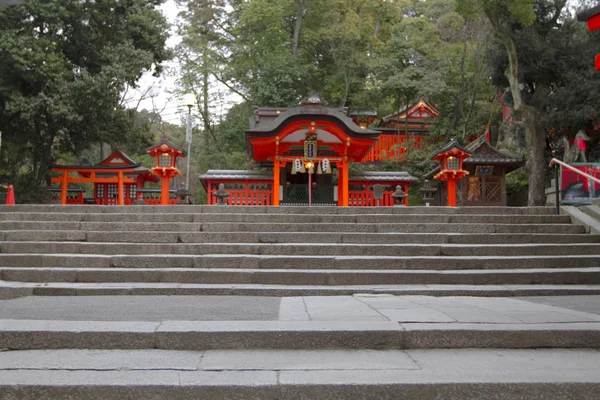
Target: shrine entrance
(302,189)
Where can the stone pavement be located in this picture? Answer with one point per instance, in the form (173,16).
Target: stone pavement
(320,347)
(360,307)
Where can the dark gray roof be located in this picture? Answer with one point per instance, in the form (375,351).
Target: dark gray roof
(483,153)
(448,146)
(377,176)
(232,174)
(165,140)
(587,14)
(303,112)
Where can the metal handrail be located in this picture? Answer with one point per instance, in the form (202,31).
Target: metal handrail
(556,162)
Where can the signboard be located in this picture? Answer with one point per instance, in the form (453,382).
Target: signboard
(484,170)
(310,148)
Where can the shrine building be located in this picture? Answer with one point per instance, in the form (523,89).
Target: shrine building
(119,180)
(306,152)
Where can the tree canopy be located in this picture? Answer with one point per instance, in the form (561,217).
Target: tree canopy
(63,66)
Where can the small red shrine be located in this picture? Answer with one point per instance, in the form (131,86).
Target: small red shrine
(451,158)
(116,180)
(485,184)
(166,154)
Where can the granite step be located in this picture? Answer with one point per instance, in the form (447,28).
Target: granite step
(294,227)
(286,218)
(195,209)
(11,290)
(292,237)
(469,374)
(296,262)
(369,334)
(588,276)
(300,249)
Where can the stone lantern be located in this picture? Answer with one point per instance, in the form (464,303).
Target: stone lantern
(451,157)
(399,197)
(166,154)
(427,192)
(221,194)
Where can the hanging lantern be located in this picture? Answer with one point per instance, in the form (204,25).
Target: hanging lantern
(298,166)
(319,170)
(326,166)
(310,166)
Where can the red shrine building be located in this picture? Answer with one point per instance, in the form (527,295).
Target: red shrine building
(306,151)
(400,132)
(119,180)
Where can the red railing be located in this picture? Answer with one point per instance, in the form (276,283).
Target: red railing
(75,199)
(361,198)
(245,197)
(392,147)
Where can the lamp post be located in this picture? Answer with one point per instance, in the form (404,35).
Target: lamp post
(189,100)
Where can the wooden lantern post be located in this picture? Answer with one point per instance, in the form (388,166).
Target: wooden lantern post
(451,158)
(166,154)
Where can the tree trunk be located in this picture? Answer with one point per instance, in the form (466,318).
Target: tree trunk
(104,150)
(535,137)
(458,99)
(346,89)
(299,13)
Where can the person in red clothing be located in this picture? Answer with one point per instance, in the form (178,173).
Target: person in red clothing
(580,145)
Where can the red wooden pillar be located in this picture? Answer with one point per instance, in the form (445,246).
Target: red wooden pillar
(345,184)
(164,192)
(340,185)
(451,192)
(120,200)
(64,185)
(276,182)
(405,189)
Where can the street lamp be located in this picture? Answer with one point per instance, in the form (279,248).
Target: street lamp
(189,100)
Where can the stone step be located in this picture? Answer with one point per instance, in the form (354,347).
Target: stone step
(294,227)
(195,209)
(588,276)
(370,334)
(293,237)
(286,218)
(305,249)
(296,262)
(11,290)
(468,374)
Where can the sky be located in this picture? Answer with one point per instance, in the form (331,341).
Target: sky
(157,94)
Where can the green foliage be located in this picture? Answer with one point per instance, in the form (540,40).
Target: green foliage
(63,65)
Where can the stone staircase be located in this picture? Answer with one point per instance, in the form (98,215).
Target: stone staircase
(196,250)
(375,303)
